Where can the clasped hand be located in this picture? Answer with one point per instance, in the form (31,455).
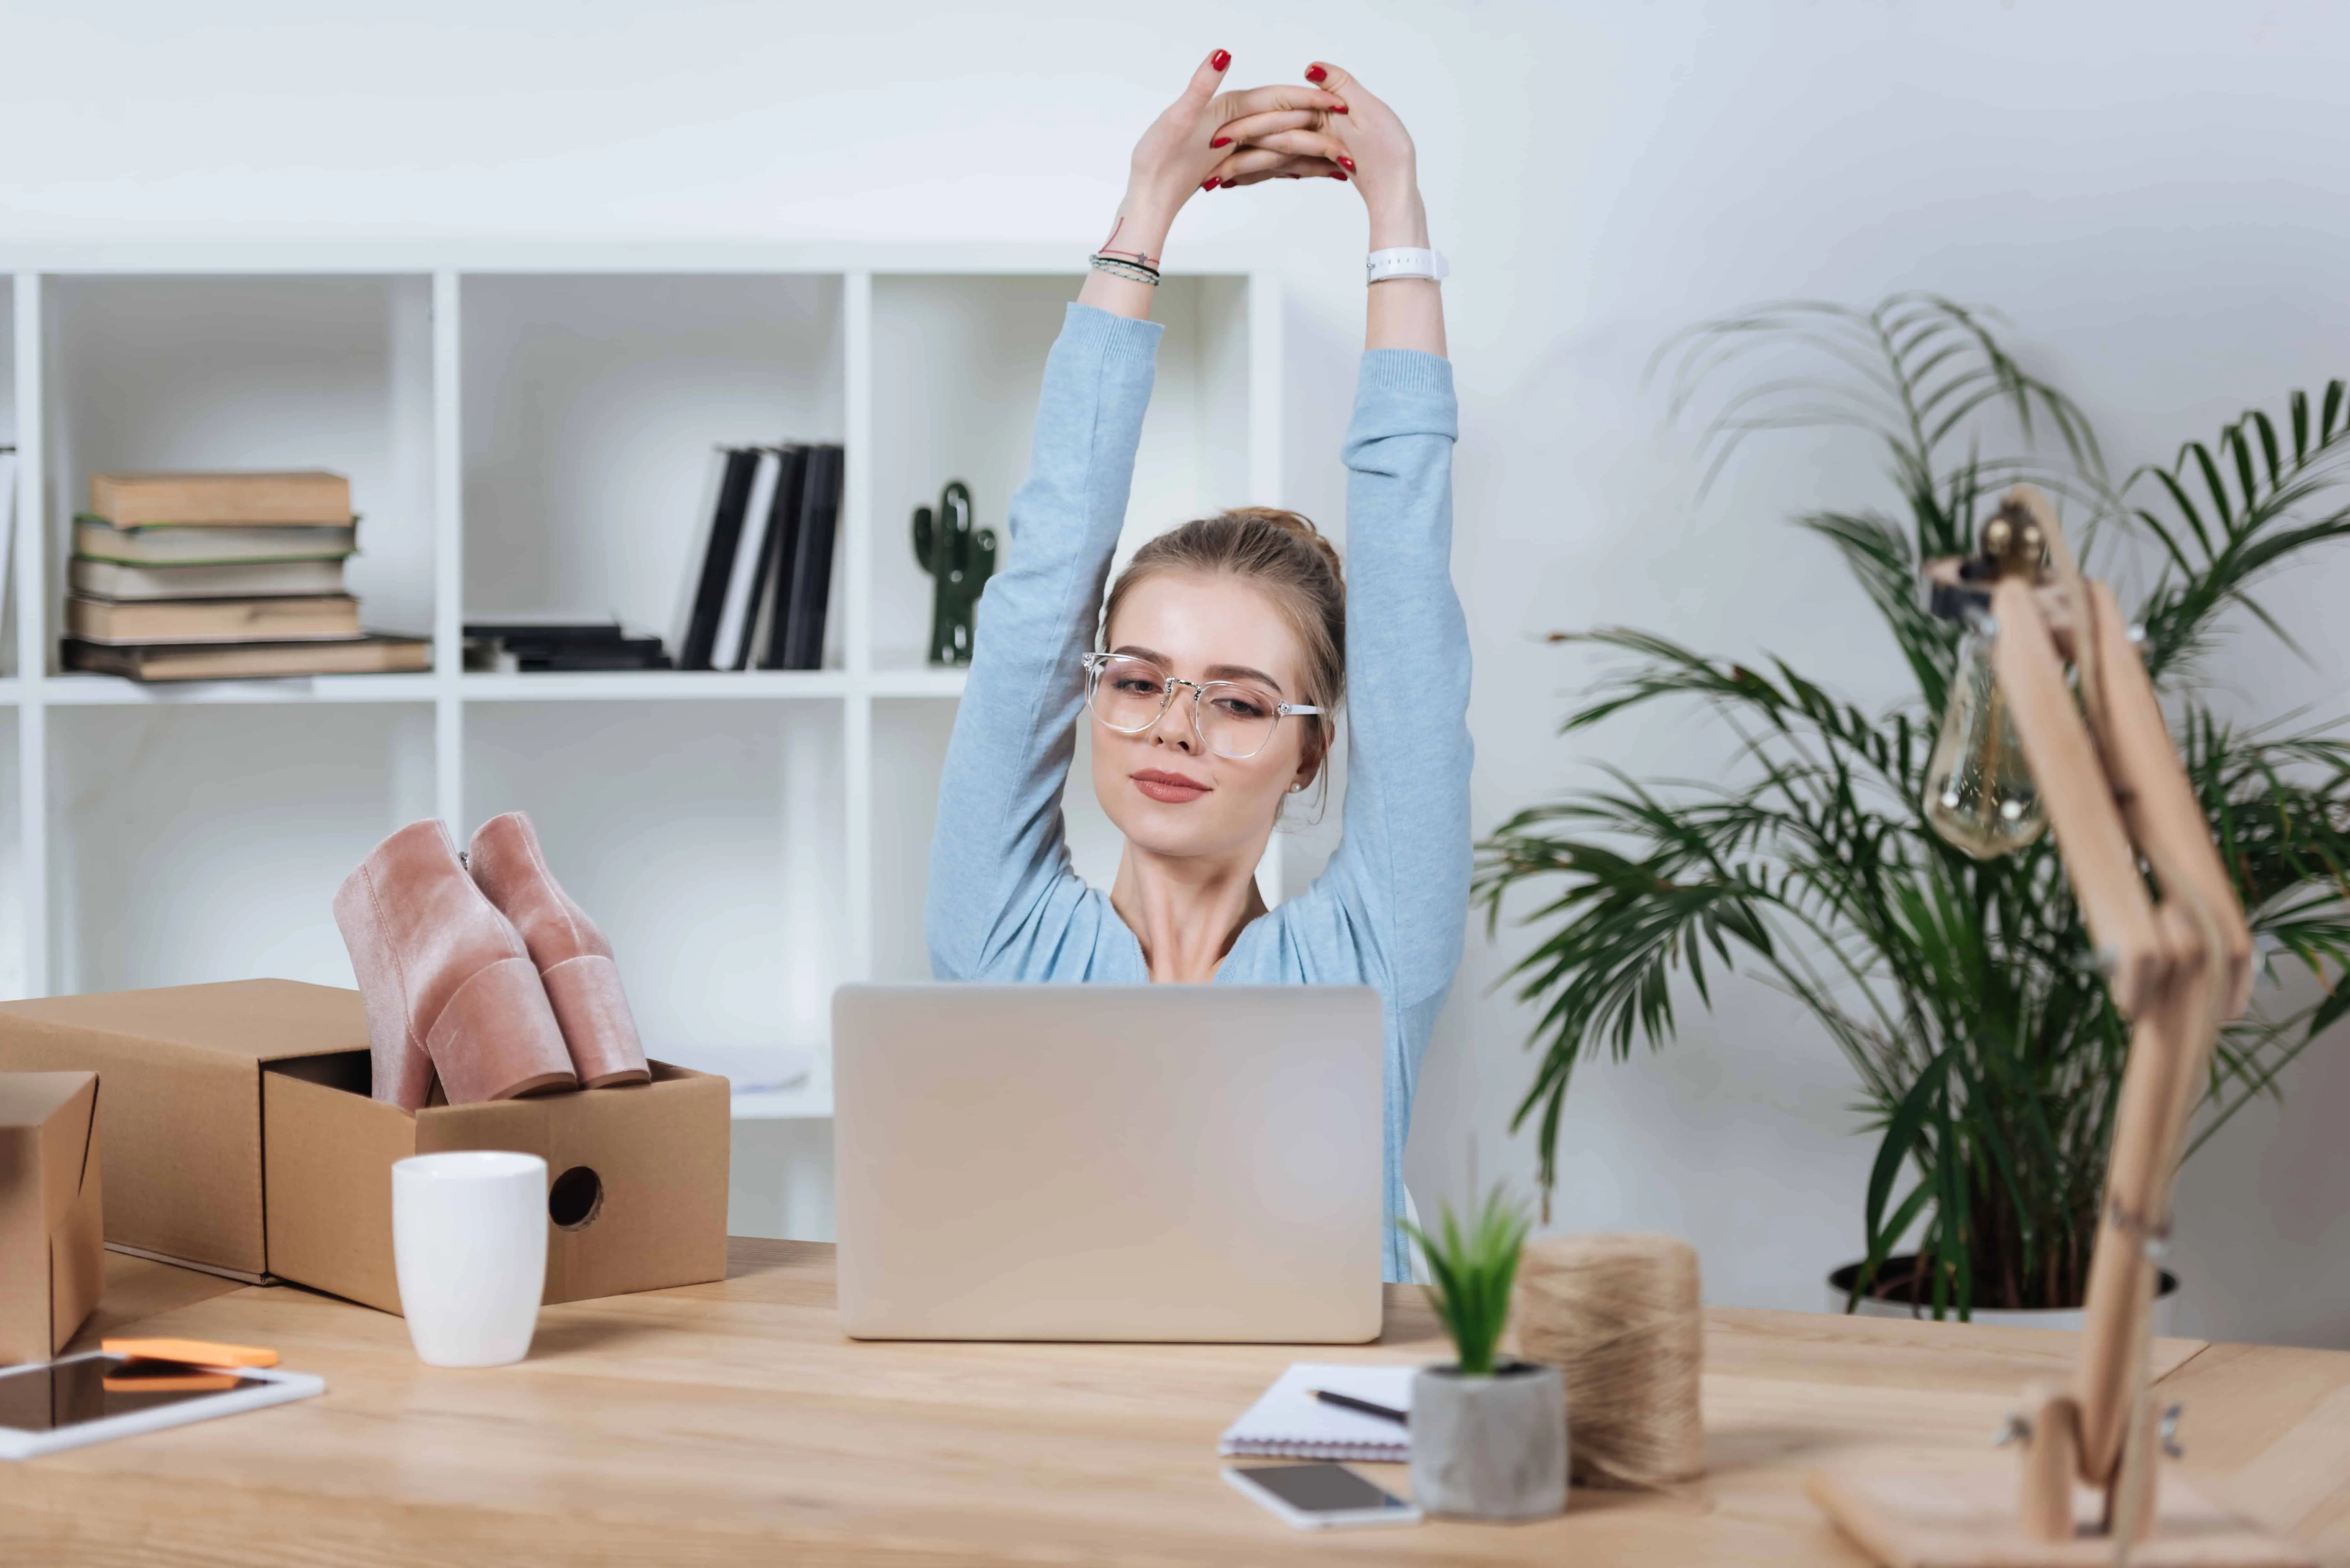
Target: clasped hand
(1214,138)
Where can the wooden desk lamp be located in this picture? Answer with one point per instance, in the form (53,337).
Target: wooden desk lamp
(2091,1490)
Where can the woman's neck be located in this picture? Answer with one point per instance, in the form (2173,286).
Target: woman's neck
(1185,913)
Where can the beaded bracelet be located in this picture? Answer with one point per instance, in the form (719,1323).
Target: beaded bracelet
(1133,271)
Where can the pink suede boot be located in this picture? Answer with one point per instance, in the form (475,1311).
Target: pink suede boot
(574,960)
(445,980)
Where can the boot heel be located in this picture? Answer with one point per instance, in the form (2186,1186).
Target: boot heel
(593,1010)
(496,1039)
(572,956)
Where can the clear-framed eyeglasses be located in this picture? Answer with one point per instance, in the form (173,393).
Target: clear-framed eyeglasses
(1231,718)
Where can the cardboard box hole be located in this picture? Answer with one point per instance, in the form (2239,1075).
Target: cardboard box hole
(576,1199)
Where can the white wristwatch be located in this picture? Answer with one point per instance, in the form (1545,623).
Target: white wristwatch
(1406,261)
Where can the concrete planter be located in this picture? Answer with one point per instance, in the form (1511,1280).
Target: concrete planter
(1840,1288)
(1489,1448)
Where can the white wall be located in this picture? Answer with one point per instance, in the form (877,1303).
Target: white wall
(2152,192)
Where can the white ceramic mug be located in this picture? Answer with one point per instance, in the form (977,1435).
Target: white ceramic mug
(469,1243)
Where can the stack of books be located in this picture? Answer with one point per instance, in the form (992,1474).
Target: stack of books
(212,577)
(757,597)
(527,644)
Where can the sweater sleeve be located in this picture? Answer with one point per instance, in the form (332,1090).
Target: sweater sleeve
(1402,867)
(998,851)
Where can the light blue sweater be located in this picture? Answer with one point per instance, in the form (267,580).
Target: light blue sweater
(1004,903)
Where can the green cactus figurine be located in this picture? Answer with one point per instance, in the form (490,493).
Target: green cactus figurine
(961,558)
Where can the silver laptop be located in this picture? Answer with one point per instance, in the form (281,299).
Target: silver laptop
(1159,1162)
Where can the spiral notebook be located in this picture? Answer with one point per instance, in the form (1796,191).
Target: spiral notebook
(1288,1422)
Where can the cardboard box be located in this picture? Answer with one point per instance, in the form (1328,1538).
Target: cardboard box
(183,1071)
(52,1224)
(244,1141)
(636,1176)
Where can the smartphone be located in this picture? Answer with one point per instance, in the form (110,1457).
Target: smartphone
(1319,1497)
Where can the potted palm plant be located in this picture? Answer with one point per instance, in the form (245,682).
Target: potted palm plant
(1962,991)
(1488,1435)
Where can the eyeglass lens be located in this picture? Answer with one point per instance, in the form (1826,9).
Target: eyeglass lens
(1235,720)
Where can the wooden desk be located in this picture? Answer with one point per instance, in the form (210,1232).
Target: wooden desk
(732,1423)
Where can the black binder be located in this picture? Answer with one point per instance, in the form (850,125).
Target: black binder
(811,577)
(718,560)
(782,548)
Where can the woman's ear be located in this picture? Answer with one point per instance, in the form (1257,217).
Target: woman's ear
(1308,766)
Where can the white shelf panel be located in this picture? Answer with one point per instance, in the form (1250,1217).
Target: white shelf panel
(922,682)
(811,1101)
(267,257)
(549,686)
(655,685)
(112,692)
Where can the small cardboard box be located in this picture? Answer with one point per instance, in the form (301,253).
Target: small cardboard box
(636,1176)
(52,1225)
(244,1141)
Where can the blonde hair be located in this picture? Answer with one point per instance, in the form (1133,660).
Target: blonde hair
(1287,558)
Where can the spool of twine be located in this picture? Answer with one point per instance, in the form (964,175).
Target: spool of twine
(1619,1316)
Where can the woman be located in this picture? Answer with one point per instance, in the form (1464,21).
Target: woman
(1225,645)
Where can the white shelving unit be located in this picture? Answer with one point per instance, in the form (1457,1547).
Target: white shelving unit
(528,429)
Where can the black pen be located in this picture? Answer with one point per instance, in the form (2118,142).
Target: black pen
(1348,1402)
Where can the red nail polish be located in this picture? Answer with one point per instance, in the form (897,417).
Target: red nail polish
(1210,185)
(1338,108)
(1337,176)
(1220,59)
(1222,142)
(1316,73)
(1347,164)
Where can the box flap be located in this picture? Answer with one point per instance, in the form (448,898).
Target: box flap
(250,1019)
(66,1152)
(30,1099)
(57,1110)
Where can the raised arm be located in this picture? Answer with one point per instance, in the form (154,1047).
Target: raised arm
(1405,856)
(1403,312)
(997,858)
(997,851)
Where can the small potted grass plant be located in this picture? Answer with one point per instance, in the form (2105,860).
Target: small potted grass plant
(1488,1435)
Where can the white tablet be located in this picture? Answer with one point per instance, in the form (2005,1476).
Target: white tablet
(89,1398)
